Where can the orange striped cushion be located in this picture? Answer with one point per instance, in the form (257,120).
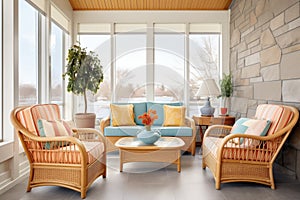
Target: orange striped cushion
(70,154)
(234,152)
(26,120)
(277,114)
(44,111)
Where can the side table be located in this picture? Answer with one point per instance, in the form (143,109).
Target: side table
(205,121)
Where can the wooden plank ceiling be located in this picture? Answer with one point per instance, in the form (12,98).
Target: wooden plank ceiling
(150,4)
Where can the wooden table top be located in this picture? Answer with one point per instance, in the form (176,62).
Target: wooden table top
(162,143)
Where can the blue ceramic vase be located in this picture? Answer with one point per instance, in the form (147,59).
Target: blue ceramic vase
(148,136)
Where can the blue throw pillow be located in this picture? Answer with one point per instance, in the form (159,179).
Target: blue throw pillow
(251,127)
(139,109)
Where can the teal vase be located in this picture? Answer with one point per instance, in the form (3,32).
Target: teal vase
(148,136)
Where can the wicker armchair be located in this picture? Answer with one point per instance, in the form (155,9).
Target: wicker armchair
(73,162)
(251,159)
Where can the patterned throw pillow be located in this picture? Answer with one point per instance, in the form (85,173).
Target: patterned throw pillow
(174,115)
(54,128)
(251,127)
(122,115)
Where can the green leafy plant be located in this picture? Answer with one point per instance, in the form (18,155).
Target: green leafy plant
(226,86)
(84,72)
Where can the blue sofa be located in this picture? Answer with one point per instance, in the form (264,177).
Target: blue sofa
(187,133)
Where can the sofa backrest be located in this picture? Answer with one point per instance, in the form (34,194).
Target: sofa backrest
(278,115)
(159,107)
(142,107)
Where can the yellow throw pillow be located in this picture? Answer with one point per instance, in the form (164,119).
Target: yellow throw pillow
(174,115)
(122,115)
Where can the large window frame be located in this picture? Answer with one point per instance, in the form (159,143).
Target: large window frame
(62,62)
(164,70)
(210,59)
(185,29)
(36,57)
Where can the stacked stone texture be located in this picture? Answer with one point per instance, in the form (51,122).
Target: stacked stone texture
(265,62)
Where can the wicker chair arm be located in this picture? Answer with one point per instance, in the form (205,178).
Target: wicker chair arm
(88,134)
(189,122)
(217,131)
(44,146)
(253,146)
(104,123)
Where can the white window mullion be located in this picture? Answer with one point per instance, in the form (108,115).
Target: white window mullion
(150,62)
(187,69)
(113,62)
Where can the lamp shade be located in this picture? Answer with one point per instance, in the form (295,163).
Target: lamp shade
(208,88)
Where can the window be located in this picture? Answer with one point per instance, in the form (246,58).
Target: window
(100,44)
(176,65)
(130,67)
(169,67)
(28,53)
(57,65)
(204,63)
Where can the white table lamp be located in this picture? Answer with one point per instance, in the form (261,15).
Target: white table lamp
(208,88)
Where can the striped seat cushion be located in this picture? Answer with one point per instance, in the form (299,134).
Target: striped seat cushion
(237,152)
(70,154)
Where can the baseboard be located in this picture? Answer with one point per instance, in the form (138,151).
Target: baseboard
(14,182)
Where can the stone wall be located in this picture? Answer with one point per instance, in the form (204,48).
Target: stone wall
(265,63)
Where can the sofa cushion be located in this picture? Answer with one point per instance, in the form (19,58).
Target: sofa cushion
(174,130)
(134,130)
(174,115)
(139,109)
(160,110)
(122,130)
(122,115)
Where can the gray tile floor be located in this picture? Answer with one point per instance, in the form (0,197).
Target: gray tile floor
(149,181)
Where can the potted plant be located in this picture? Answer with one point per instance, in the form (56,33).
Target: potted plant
(226,91)
(84,73)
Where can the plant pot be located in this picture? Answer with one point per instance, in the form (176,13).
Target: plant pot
(85,120)
(223,111)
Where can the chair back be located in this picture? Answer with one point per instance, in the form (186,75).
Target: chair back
(30,115)
(279,116)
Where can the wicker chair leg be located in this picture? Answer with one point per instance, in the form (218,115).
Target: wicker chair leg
(271,178)
(28,188)
(83,194)
(218,185)
(193,149)
(203,165)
